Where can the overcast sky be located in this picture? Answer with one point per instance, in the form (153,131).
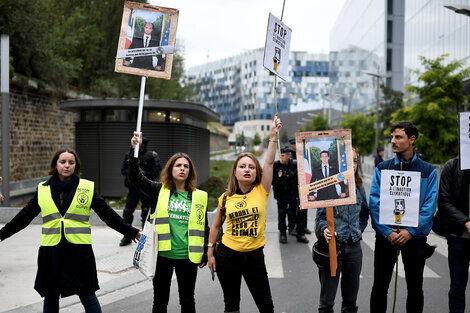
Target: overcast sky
(215,29)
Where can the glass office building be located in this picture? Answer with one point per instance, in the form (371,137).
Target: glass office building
(367,37)
(239,88)
(433,30)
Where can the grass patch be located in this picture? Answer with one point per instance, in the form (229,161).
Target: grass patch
(220,172)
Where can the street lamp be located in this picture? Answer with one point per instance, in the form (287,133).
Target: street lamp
(377,95)
(458,8)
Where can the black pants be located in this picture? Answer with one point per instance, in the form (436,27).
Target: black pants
(231,266)
(385,255)
(349,270)
(133,197)
(286,207)
(186,272)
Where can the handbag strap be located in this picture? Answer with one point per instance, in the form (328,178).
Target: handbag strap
(222,208)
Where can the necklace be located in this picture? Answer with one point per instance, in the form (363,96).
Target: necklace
(244,195)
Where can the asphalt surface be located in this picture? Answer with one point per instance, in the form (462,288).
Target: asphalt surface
(293,275)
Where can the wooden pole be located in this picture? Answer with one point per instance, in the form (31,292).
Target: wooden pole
(330,221)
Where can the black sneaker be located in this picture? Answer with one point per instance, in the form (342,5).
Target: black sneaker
(292,232)
(302,239)
(282,238)
(125,241)
(307,231)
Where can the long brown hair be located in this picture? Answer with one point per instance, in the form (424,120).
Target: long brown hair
(166,177)
(357,173)
(55,157)
(233,182)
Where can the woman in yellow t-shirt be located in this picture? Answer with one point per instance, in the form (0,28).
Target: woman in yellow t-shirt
(241,251)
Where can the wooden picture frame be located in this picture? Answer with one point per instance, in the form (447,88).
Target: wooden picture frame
(338,186)
(156,53)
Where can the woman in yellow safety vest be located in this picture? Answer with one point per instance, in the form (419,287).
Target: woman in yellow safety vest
(181,223)
(244,208)
(66,263)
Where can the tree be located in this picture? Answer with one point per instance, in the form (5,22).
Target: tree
(362,131)
(318,122)
(72,44)
(392,101)
(439,94)
(256,139)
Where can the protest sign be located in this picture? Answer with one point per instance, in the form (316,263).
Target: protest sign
(399,198)
(147,40)
(277,47)
(326,171)
(464,140)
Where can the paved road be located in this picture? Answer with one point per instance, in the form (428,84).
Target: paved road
(292,273)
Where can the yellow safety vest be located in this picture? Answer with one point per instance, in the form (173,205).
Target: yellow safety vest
(196,224)
(77,229)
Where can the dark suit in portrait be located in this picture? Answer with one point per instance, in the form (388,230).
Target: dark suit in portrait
(330,192)
(145,62)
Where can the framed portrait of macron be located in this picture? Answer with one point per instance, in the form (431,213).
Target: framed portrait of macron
(326,170)
(146,40)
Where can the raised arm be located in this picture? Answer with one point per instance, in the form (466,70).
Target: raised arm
(267,178)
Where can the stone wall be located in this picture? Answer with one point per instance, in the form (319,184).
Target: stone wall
(218,142)
(37,129)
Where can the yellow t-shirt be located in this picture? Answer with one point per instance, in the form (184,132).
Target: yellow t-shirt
(246,220)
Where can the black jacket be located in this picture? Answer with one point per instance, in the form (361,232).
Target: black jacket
(285,181)
(67,268)
(452,201)
(149,162)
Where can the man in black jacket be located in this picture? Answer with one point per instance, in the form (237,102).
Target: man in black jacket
(150,164)
(285,186)
(452,221)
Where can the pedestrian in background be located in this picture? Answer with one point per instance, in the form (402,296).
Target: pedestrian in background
(286,192)
(149,163)
(452,221)
(241,251)
(380,156)
(181,222)
(350,223)
(302,215)
(66,263)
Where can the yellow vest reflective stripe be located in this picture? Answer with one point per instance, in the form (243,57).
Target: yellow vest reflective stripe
(162,222)
(77,229)
(196,224)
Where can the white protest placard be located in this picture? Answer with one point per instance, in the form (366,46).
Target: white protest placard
(464,140)
(399,198)
(276,51)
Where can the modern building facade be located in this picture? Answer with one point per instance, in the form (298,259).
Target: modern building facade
(368,36)
(433,30)
(239,88)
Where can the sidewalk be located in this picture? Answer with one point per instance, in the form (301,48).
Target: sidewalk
(18,268)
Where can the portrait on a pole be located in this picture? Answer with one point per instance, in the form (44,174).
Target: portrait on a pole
(326,172)
(147,40)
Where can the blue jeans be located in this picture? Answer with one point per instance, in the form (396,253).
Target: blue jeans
(458,259)
(385,256)
(231,266)
(349,266)
(90,303)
